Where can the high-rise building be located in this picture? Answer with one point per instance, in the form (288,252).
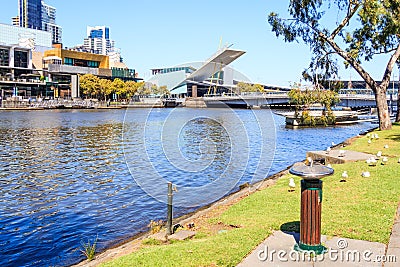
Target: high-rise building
(49,23)
(30,14)
(98,40)
(15,21)
(36,14)
(48,13)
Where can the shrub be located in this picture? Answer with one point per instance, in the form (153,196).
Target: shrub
(155,227)
(89,249)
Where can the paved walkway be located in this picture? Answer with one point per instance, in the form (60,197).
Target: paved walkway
(278,250)
(335,157)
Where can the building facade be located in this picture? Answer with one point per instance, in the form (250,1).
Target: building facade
(98,40)
(35,39)
(36,14)
(49,23)
(30,14)
(18,78)
(212,76)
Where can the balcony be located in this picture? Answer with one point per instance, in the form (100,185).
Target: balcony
(55,68)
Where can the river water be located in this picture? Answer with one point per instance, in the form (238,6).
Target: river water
(71,176)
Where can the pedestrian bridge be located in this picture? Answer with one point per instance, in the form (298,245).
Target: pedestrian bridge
(281,100)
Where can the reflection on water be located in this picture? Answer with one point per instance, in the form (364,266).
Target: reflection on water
(64,176)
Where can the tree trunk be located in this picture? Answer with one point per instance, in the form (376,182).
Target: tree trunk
(398,107)
(383,110)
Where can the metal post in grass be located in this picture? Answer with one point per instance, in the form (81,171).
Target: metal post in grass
(311,199)
(169,209)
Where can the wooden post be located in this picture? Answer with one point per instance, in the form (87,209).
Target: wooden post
(169,210)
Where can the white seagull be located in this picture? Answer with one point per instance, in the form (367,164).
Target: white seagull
(292,185)
(328,150)
(379,154)
(371,161)
(365,174)
(344,176)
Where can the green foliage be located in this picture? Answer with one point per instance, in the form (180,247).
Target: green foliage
(247,87)
(140,88)
(162,90)
(303,99)
(307,119)
(89,249)
(118,86)
(105,88)
(92,86)
(155,227)
(131,88)
(89,84)
(363,30)
(331,119)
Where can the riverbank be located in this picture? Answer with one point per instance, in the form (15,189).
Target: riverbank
(362,208)
(198,217)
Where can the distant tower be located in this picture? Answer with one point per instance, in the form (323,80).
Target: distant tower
(98,40)
(15,21)
(49,23)
(30,14)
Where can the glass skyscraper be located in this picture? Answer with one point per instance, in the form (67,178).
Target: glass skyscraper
(36,14)
(30,14)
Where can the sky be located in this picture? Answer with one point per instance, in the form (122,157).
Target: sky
(159,33)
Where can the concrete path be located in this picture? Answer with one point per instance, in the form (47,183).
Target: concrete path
(278,250)
(334,156)
(394,242)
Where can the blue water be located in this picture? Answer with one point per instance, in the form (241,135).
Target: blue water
(70,176)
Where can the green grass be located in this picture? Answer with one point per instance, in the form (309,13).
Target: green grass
(89,249)
(361,208)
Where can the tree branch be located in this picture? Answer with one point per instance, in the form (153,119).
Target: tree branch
(389,67)
(350,14)
(302,22)
(357,66)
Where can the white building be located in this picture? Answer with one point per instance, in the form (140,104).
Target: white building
(35,39)
(98,40)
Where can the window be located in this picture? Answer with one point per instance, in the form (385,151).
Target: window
(68,61)
(4,57)
(21,59)
(93,64)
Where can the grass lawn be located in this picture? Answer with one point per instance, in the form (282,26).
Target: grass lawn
(361,208)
